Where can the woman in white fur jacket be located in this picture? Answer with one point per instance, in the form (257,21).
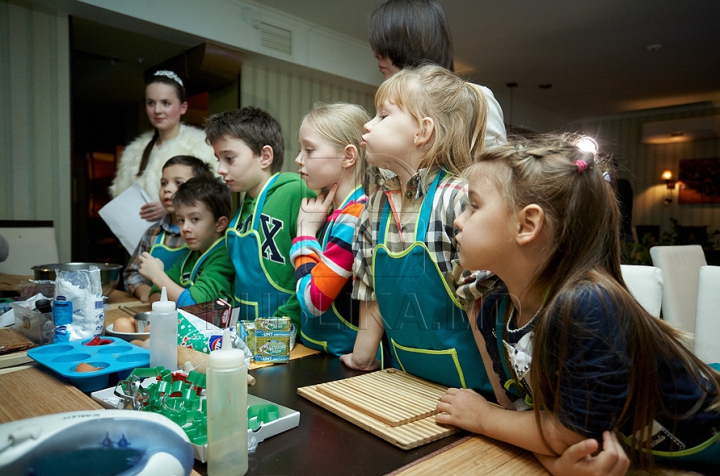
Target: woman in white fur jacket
(143,159)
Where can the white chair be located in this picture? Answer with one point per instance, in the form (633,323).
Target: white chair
(680,266)
(645,283)
(707,319)
(30,243)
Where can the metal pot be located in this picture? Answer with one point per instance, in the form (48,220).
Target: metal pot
(109,273)
(142,318)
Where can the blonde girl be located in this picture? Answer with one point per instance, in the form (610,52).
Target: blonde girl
(331,161)
(565,337)
(429,124)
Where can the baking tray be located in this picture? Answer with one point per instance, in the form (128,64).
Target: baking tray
(118,357)
(287,420)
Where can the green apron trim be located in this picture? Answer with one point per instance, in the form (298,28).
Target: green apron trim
(449,352)
(677,454)
(186,283)
(233,228)
(318,343)
(510,385)
(328,231)
(402,254)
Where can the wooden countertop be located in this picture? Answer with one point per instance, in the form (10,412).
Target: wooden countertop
(29,391)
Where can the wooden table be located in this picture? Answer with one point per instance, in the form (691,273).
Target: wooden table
(322,444)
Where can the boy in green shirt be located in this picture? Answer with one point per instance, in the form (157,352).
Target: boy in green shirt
(202,207)
(249,146)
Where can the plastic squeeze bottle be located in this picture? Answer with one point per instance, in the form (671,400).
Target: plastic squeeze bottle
(164,333)
(227,411)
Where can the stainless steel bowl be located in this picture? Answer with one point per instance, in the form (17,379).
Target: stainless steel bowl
(109,273)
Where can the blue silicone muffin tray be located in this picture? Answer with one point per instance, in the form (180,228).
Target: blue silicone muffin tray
(118,356)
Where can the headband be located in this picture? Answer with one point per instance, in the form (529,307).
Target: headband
(171,75)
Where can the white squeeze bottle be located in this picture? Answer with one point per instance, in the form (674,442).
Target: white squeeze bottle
(164,333)
(227,411)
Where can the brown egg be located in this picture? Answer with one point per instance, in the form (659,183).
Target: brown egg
(83,367)
(147,328)
(137,342)
(123,324)
(146,344)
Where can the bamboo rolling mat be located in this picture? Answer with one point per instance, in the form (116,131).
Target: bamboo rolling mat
(30,392)
(13,348)
(13,341)
(477,454)
(391,404)
(379,395)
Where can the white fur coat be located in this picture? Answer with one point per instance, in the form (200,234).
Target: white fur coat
(190,141)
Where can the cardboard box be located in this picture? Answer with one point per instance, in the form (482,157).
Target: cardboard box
(269,339)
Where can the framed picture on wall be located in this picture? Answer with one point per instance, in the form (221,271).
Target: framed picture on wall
(699,181)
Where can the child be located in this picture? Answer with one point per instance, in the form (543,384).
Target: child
(332,161)
(428,126)
(565,336)
(202,206)
(409,33)
(163,240)
(249,146)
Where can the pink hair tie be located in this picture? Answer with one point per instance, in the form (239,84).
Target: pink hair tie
(581,166)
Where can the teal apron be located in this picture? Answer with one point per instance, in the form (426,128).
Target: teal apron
(256,294)
(331,332)
(187,278)
(510,385)
(429,333)
(169,256)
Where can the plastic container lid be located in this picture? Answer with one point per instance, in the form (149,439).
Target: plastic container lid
(227,357)
(163,305)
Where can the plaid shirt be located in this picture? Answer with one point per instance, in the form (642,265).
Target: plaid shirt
(449,202)
(173,239)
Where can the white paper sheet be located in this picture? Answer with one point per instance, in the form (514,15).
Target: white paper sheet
(122,215)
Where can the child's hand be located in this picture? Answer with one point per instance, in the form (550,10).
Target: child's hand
(579,460)
(153,211)
(313,213)
(151,267)
(463,408)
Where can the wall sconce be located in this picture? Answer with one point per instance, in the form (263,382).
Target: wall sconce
(667,176)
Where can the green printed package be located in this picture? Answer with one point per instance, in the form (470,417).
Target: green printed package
(196,333)
(268,338)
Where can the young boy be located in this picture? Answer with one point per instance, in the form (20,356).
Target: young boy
(202,206)
(163,239)
(249,146)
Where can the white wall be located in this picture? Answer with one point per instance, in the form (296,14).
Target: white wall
(236,23)
(288,96)
(35,87)
(35,117)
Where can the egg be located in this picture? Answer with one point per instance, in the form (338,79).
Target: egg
(123,324)
(83,367)
(137,342)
